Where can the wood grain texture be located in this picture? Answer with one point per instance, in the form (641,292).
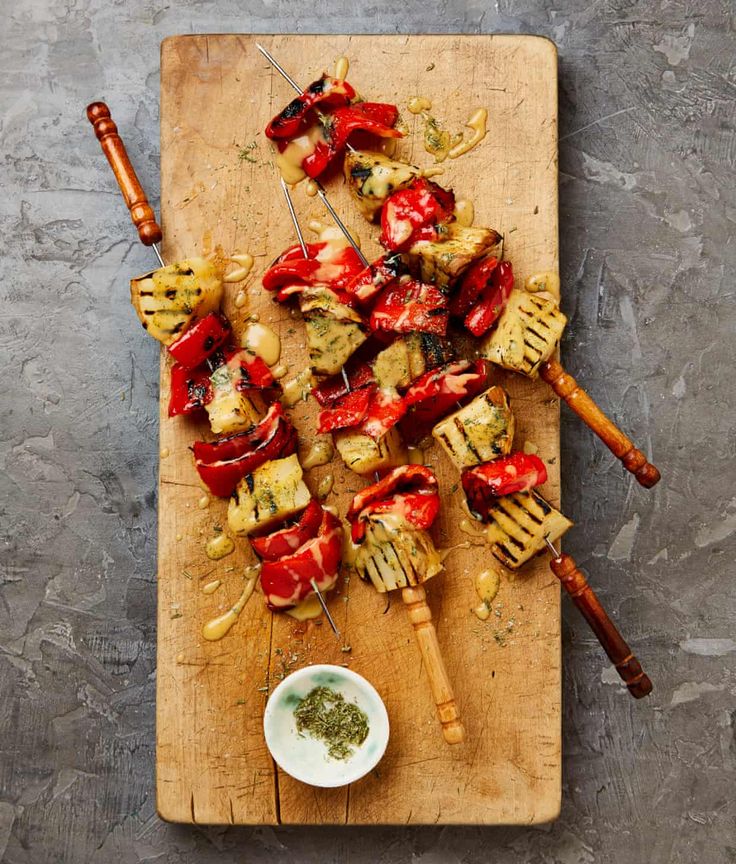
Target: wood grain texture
(217,94)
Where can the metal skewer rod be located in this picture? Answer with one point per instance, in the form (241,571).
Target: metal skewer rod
(323,604)
(292,213)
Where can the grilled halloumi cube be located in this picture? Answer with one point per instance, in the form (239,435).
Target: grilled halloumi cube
(481,431)
(334,331)
(230,410)
(526,334)
(518,524)
(169,299)
(372,177)
(443,261)
(394,554)
(408,357)
(272,493)
(365,455)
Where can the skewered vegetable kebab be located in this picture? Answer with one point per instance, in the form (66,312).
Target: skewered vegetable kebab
(256,460)
(528,327)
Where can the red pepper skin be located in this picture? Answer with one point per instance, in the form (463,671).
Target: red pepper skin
(334,388)
(409,307)
(369,282)
(377,118)
(492,301)
(223,463)
(347,411)
(200,340)
(385,409)
(485,483)
(287,540)
(475,279)
(288,581)
(190,390)
(291,272)
(327,92)
(411,491)
(422,205)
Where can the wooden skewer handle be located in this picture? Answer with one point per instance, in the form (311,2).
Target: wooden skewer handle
(567,388)
(420,616)
(583,596)
(112,145)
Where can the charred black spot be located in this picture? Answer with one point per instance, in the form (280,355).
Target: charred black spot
(170,293)
(249,482)
(208,343)
(360,172)
(318,86)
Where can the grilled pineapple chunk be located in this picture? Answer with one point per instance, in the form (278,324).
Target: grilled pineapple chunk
(334,330)
(229,410)
(372,177)
(408,357)
(481,431)
(526,334)
(518,525)
(272,493)
(443,261)
(364,455)
(169,299)
(394,554)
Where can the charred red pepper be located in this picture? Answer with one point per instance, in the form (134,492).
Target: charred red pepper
(485,483)
(327,92)
(334,388)
(347,411)
(326,265)
(439,392)
(377,118)
(385,409)
(407,307)
(421,205)
(287,540)
(222,463)
(483,294)
(369,282)
(410,491)
(190,390)
(201,340)
(287,581)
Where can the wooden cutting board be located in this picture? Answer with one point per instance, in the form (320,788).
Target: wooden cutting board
(219,188)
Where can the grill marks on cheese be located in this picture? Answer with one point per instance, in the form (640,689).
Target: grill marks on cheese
(518,524)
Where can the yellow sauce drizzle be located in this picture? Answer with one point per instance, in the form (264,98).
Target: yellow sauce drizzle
(280,370)
(204,502)
(290,161)
(325,486)
(546,281)
(467,526)
(487,583)
(416,456)
(219,547)
(165,452)
(261,340)
(211,587)
(307,609)
(245,265)
(478,124)
(419,104)
(433,171)
(530,447)
(297,389)
(221,626)
(437,140)
(464,212)
(310,188)
(241,298)
(342,67)
(319,453)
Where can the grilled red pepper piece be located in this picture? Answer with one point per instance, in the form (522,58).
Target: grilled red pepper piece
(407,307)
(369,282)
(439,392)
(334,388)
(377,118)
(190,390)
(485,483)
(421,205)
(222,463)
(385,409)
(287,540)
(291,272)
(200,340)
(288,581)
(327,92)
(483,294)
(347,411)
(410,491)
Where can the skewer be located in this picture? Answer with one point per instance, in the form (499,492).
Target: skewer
(615,646)
(295,221)
(323,604)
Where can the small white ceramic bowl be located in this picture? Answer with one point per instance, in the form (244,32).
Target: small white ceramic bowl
(305,758)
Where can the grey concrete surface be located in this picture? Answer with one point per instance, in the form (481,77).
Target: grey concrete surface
(647,155)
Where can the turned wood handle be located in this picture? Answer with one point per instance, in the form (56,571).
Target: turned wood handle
(583,596)
(420,616)
(112,145)
(567,388)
